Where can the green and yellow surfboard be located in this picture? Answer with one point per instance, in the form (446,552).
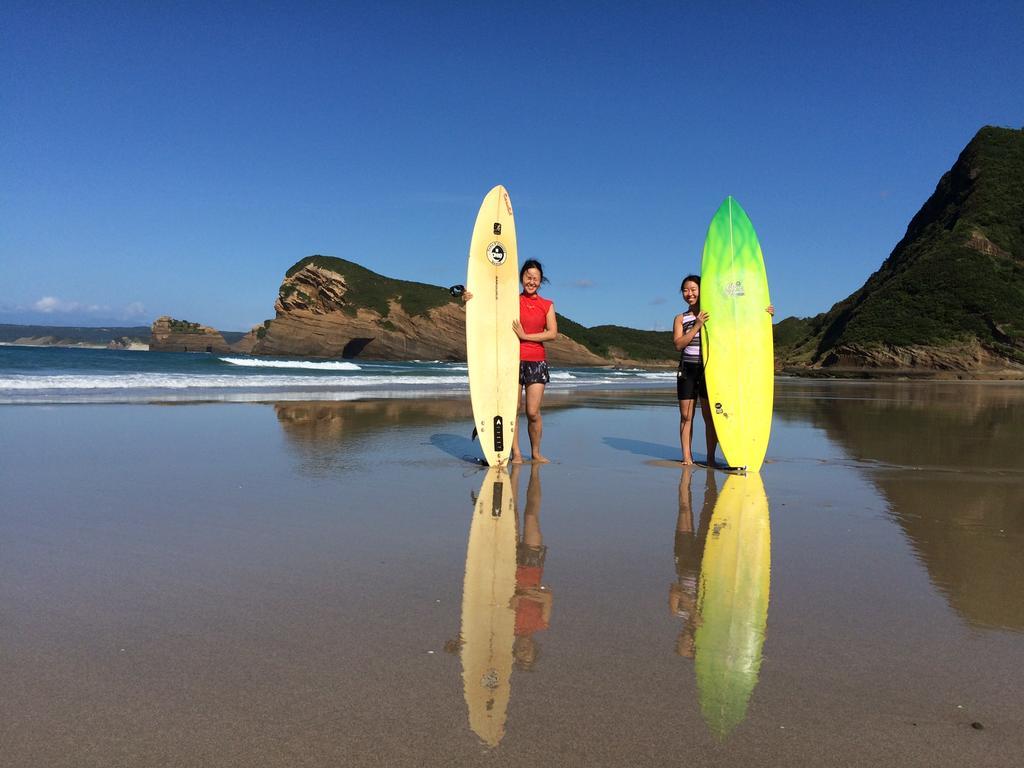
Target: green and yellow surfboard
(736,341)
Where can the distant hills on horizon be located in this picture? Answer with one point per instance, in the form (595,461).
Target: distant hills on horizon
(83,335)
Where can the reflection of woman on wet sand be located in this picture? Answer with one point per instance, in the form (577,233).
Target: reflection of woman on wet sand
(689,550)
(532,601)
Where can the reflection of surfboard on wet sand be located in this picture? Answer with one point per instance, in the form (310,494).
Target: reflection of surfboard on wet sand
(492,347)
(488,619)
(736,341)
(732,602)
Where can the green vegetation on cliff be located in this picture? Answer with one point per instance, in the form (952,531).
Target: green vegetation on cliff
(956,276)
(369,290)
(184,326)
(618,341)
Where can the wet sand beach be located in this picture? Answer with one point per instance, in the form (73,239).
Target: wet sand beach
(282,584)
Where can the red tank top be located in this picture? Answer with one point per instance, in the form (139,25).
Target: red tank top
(533,315)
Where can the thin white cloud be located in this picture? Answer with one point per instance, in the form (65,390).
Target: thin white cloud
(48,304)
(582,283)
(52,305)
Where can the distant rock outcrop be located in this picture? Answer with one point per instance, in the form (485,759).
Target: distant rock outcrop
(949,299)
(127,343)
(170,335)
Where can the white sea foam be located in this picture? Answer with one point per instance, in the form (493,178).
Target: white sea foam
(329,365)
(190,380)
(657,375)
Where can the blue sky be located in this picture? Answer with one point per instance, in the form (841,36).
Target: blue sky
(176,158)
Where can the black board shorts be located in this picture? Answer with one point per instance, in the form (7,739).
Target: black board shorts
(533,372)
(690,382)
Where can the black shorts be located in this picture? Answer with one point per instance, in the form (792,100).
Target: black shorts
(690,382)
(531,372)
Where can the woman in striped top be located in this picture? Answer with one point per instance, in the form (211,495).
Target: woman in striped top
(690,382)
(690,376)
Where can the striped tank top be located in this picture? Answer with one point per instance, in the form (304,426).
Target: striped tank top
(691,352)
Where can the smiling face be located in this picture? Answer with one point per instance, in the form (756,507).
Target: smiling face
(691,293)
(531,281)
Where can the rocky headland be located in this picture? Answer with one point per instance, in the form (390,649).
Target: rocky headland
(948,302)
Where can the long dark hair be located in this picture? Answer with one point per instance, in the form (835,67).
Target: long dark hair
(532,264)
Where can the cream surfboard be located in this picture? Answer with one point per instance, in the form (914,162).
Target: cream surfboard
(736,341)
(492,347)
(488,619)
(732,602)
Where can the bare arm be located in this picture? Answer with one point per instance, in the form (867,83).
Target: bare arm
(680,337)
(550,328)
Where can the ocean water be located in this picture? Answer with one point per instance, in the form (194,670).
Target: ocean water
(66,375)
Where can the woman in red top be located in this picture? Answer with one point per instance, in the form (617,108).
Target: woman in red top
(536,324)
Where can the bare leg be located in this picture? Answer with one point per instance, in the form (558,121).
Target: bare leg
(535,424)
(517,456)
(686,408)
(709,430)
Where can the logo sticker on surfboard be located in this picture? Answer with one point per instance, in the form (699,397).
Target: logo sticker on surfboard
(735,289)
(496,254)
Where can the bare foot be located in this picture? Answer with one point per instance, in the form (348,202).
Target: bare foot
(687,462)
(538,459)
(516,459)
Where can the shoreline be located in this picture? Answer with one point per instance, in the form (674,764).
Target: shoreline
(660,366)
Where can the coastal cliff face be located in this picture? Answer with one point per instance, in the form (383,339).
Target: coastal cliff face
(320,313)
(170,335)
(939,362)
